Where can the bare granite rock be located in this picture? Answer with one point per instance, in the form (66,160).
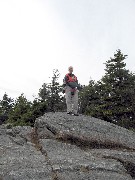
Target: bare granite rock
(70,162)
(86,130)
(20,160)
(65,147)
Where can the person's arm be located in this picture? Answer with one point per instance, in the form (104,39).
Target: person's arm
(76,80)
(64,83)
(65,80)
(79,87)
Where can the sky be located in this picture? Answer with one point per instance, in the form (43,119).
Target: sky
(37,36)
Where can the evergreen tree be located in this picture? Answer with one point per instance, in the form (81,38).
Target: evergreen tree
(21,112)
(117,89)
(44,92)
(88,98)
(113,97)
(6,105)
(51,93)
(38,109)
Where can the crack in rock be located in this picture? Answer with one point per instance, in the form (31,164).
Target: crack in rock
(35,141)
(62,147)
(84,131)
(129,166)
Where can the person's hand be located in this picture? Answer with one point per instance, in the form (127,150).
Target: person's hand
(63,91)
(80,87)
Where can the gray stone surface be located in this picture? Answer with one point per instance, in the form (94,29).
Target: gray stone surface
(71,162)
(20,160)
(122,155)
(92,175)
(127,158)
(86,130)
(63,147)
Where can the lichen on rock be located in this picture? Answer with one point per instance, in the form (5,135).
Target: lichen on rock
(64,147)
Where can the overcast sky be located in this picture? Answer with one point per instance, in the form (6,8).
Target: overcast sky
(37,36)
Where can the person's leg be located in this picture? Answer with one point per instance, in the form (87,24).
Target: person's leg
(68,100)
(75,102)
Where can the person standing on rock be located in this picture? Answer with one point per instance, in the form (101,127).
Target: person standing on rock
(70,88)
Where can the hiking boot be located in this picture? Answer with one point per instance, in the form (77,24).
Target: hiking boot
(69,113)
(76,114)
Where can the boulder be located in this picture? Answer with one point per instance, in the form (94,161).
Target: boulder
(65,147)
(19,159)
(84,130)
(3,118)
(70,162)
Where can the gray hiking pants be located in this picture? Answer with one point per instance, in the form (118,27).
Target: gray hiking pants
(71,100)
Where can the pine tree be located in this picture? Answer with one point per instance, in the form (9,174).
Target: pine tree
(6,104)
(38,108)
(51,93)
(21,112)
(44,92)
(117,87)
(113,97)
(87,98)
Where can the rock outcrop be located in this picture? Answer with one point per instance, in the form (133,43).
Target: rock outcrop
(65,147)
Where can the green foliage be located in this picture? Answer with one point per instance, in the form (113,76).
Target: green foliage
(51,93)
(38,109)
(25,112)
(20,114)
(88,99)
(113,97)
(6,105)
(118,91)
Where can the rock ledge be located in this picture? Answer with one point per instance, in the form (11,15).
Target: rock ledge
(64,147)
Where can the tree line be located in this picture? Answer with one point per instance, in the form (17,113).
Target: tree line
(112,98)
(21,111)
